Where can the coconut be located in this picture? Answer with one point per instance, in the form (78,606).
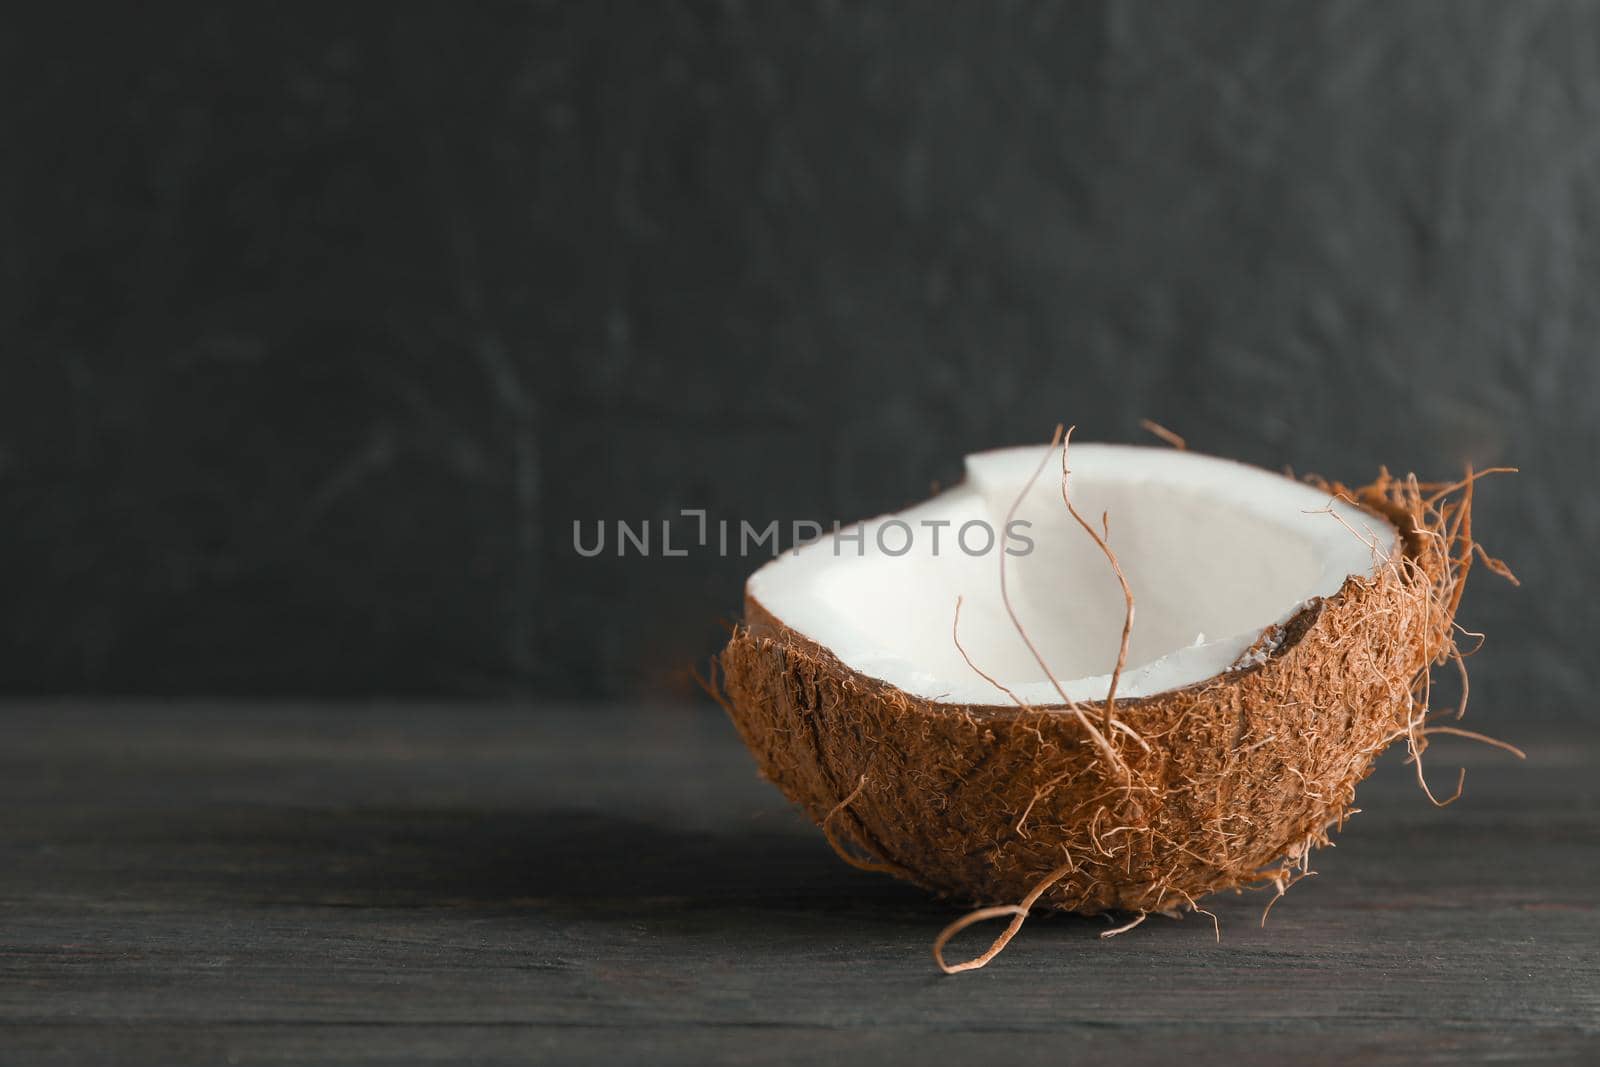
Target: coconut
(994,697)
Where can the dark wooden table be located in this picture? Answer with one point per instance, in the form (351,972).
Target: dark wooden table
(225,884)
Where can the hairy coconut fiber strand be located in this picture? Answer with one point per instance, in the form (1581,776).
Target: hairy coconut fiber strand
(1228,783)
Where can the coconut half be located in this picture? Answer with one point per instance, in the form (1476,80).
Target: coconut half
(1282,638)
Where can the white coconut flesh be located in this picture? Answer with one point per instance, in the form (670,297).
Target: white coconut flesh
(1216,552)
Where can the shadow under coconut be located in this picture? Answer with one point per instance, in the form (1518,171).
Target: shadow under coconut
(592,863)
(770,891)
(756,880)
(570,862)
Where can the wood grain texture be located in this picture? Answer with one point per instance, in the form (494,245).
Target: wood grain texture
(564,884)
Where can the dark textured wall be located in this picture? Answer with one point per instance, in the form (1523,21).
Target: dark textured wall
(322,324)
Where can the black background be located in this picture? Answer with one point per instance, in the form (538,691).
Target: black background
(322,324)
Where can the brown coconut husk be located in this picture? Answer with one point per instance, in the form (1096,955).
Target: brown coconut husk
(1227,784)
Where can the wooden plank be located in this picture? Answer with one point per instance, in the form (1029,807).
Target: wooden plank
(201,883)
